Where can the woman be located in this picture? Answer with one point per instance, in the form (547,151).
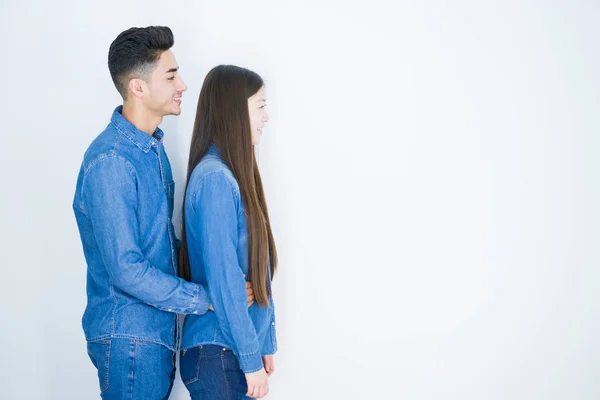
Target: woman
(227,353)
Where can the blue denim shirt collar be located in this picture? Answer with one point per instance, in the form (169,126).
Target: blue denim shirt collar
(214,150)
(139,138)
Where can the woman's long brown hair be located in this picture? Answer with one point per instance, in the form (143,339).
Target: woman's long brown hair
(223,119)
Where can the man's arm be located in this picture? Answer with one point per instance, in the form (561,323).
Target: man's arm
(110,201)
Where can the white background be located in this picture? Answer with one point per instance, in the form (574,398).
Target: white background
(431,171)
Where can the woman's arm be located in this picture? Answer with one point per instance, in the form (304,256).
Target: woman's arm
(214,223)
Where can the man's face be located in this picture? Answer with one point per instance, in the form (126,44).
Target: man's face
(165,87)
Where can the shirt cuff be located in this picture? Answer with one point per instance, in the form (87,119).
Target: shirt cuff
(250,363)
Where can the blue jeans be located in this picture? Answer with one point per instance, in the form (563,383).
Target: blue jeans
(212,372)
(132,369)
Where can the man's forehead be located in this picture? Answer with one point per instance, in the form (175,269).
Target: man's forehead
(167,61)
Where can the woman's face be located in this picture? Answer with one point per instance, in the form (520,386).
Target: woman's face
(258,115)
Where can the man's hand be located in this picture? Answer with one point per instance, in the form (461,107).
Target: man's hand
(269,364)
(249,293)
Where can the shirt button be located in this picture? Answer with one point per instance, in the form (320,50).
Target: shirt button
(169,310)
(273,323)
(195,312)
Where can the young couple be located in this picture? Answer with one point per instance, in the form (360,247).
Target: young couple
(139,275)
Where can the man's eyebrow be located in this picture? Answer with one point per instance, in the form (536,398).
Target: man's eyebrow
(172,70)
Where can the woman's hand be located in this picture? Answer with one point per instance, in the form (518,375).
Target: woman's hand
(258,384)
(269,364)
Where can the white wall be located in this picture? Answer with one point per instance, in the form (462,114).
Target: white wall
(431,171)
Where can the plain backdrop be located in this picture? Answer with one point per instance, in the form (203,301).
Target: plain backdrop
(431,170)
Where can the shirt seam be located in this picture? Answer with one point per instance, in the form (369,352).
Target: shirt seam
(235,190)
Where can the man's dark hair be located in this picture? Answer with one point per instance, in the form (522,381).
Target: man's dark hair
(134,53)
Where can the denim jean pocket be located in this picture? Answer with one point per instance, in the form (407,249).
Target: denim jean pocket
(189,364)
(99,353)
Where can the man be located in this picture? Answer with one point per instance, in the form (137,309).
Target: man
(123,205)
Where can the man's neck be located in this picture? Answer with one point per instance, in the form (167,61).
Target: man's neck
(141,118)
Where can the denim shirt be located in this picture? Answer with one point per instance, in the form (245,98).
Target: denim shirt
(217,241)
(123,206)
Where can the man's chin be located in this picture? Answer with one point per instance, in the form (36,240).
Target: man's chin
(174,112)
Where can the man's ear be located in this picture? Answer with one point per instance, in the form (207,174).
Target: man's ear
(137,87)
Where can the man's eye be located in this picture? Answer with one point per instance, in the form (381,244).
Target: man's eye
(171,78)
